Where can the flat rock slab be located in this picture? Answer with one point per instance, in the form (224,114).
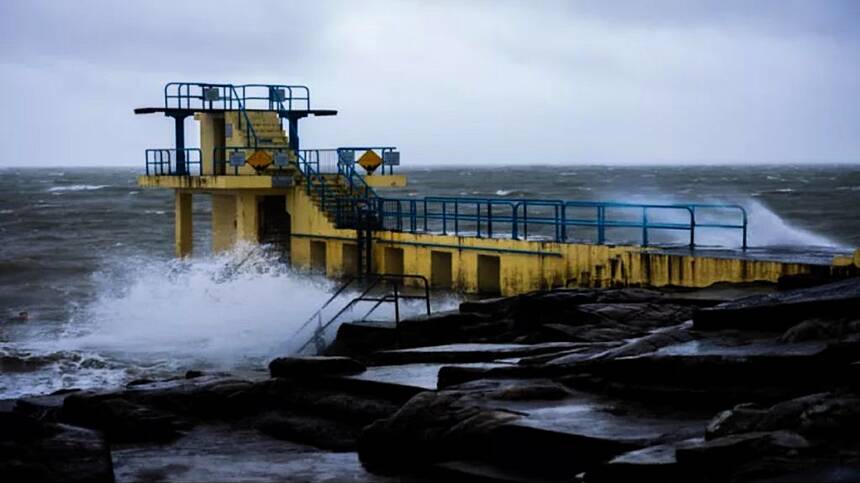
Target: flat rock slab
(654,463)
(598,419)
(781,310)
(421,376)
(758,348)
(583,431)
(472,352)
(314,366)
(225,453)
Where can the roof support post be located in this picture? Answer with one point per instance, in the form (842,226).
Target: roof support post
(179,119)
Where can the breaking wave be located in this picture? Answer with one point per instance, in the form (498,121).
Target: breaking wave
(77,187)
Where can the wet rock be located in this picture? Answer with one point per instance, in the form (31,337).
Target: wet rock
(35,451)
(649,343)
(469,352)
(821,329)
(140,382)
(830,416)
(728,452)
(320,432)
(431,427)
(514,390)
(301,367)
(654,463)
(781,310)
(121,420)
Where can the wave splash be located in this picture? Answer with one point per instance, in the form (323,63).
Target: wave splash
(765,227)
(222,311)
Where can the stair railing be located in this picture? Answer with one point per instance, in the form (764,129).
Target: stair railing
(396,280)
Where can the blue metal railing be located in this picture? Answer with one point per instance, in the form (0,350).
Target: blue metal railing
(549,219)
(269,97)
(203,95)
(162,162)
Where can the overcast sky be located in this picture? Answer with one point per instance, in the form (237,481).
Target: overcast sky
(449,82)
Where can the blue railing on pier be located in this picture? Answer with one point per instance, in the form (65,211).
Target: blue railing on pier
(206,95)
(330,175)
(555,220)
(162,162)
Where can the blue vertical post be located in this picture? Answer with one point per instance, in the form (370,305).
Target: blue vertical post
(644,226)
(489,219)
(456,217)
(179,127)
(692,227)
(478,219)
(601,224)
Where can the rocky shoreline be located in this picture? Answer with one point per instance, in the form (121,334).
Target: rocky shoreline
(730,383)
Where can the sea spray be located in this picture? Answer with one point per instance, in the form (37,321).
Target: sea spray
(239,306)
(235,309)
(765,227)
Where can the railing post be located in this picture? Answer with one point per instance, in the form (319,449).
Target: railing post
(489,219)
(514,222)
(692,227)
(456,217)
(563,222)
(601,224)
(478,219)
(644,226)
(179,128)
(525,220)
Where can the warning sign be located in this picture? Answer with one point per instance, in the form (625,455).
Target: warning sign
(369,161)
(260,160)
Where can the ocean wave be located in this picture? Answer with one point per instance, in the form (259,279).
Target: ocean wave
(77,187)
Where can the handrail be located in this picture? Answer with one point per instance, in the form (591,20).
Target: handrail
(363,297)
(161,160)
(553,213)
(274,148)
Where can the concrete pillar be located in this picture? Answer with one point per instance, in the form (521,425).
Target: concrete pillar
(183,230)
(211,136)
(223,222)
(247,218)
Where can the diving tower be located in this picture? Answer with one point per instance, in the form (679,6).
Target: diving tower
(327,211)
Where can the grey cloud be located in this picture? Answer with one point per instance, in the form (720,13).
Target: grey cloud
(586,81)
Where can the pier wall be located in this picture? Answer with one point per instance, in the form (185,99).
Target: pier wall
(521,265)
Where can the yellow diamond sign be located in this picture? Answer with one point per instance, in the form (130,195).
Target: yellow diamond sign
(369,161)
(260,159)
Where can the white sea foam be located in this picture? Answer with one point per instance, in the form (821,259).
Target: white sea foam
(78,187)
(229,311)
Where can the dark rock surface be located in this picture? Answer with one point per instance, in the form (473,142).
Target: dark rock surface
(599,385)
(305,367)
(33,450)
(781,310)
